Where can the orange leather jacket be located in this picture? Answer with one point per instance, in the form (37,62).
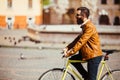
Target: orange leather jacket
(88,43)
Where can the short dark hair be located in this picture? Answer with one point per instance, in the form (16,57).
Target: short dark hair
(84,10)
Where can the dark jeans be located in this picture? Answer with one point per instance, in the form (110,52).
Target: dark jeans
(92,67)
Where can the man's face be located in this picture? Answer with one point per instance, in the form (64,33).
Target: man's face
(79,17)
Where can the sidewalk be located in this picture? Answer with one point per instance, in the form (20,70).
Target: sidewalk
(13,39)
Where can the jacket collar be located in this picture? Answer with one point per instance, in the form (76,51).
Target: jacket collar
(84,23)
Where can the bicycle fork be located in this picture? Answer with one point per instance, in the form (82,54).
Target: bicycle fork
(69,68)
(65,73)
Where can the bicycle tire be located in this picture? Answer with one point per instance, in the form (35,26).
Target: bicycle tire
(115,74)
(55,74)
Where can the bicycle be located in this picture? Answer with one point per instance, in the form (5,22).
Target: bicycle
(68,73)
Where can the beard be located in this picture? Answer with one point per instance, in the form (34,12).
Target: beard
(79,21)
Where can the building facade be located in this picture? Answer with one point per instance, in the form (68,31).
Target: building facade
(18,14)
(103,12)
(108,11)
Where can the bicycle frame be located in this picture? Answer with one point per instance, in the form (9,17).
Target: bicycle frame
(68,67)
(104,65)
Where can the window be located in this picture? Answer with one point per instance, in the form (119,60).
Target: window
(116,21)
(9,3)
(104,20)
(30,4)
(103,1)
(117,2)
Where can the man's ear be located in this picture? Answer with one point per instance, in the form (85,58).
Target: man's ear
(84,16)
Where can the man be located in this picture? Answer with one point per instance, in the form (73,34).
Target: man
(88,45)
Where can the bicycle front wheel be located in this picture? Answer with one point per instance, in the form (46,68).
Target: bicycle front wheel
(114,75)
(55,74)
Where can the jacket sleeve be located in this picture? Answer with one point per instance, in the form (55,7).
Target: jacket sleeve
(72,44)
(87,33)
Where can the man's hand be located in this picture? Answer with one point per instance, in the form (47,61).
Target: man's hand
(65,52)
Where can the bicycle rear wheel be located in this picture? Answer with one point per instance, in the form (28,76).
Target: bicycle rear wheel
(55,74)
(115,75)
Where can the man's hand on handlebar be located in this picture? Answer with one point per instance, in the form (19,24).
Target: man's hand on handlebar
(65,50)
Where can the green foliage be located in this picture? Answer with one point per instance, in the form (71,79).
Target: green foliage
(46,2)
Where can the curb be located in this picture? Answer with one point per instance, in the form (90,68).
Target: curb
(32,47)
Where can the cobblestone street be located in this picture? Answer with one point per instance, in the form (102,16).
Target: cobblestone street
(35,62)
